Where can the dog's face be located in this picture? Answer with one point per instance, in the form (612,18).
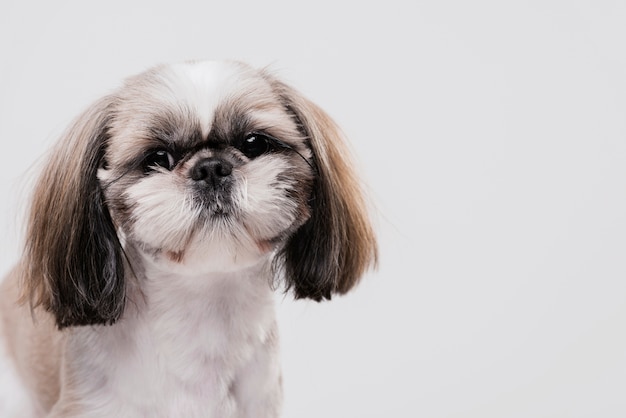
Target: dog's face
(205,168)
(201,167)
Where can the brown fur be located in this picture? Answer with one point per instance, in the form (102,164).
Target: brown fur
(33,341)
(339,231)
(72,263)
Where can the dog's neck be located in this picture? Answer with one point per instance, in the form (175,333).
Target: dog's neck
(224,308)
(208,339)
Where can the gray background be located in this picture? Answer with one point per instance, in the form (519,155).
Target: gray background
(492,137)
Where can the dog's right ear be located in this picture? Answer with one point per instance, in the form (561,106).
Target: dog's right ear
(73,260)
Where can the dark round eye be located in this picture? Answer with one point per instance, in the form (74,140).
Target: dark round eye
(255,144)
(158,158)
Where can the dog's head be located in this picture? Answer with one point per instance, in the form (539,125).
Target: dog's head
(202,167)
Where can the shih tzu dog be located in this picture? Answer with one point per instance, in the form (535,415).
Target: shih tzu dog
(160,226)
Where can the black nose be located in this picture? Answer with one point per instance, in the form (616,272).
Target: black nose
(211,170)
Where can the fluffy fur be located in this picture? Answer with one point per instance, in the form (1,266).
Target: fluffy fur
(167,214)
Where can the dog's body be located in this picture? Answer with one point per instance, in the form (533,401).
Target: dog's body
(155,237)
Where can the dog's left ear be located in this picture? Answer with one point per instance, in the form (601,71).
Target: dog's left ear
(332,250)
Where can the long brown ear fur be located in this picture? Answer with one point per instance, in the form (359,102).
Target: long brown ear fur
(73,260)
(332,250)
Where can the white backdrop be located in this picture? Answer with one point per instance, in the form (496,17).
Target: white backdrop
(493,139)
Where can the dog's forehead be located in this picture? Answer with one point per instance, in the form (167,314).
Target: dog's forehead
(183,103)
(207,95)
(203,88)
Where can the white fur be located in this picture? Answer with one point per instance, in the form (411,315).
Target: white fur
(165,216)
(202,86)
(15,401)
(262,199)
(189,346)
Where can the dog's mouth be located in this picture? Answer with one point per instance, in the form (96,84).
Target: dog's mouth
(215,202)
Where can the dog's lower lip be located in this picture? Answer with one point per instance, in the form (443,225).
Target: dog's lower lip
(221,213)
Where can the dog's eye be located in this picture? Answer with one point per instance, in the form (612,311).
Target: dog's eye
(158,158)
(255,144)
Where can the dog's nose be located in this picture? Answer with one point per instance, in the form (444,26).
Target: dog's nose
(211,170)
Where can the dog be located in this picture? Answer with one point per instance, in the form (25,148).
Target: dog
(162,224)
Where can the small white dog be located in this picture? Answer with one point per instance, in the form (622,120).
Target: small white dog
(158,230)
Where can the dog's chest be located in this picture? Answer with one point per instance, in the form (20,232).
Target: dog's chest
(194,359)
(178,370)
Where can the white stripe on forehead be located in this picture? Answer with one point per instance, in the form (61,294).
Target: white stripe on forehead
(202,86)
